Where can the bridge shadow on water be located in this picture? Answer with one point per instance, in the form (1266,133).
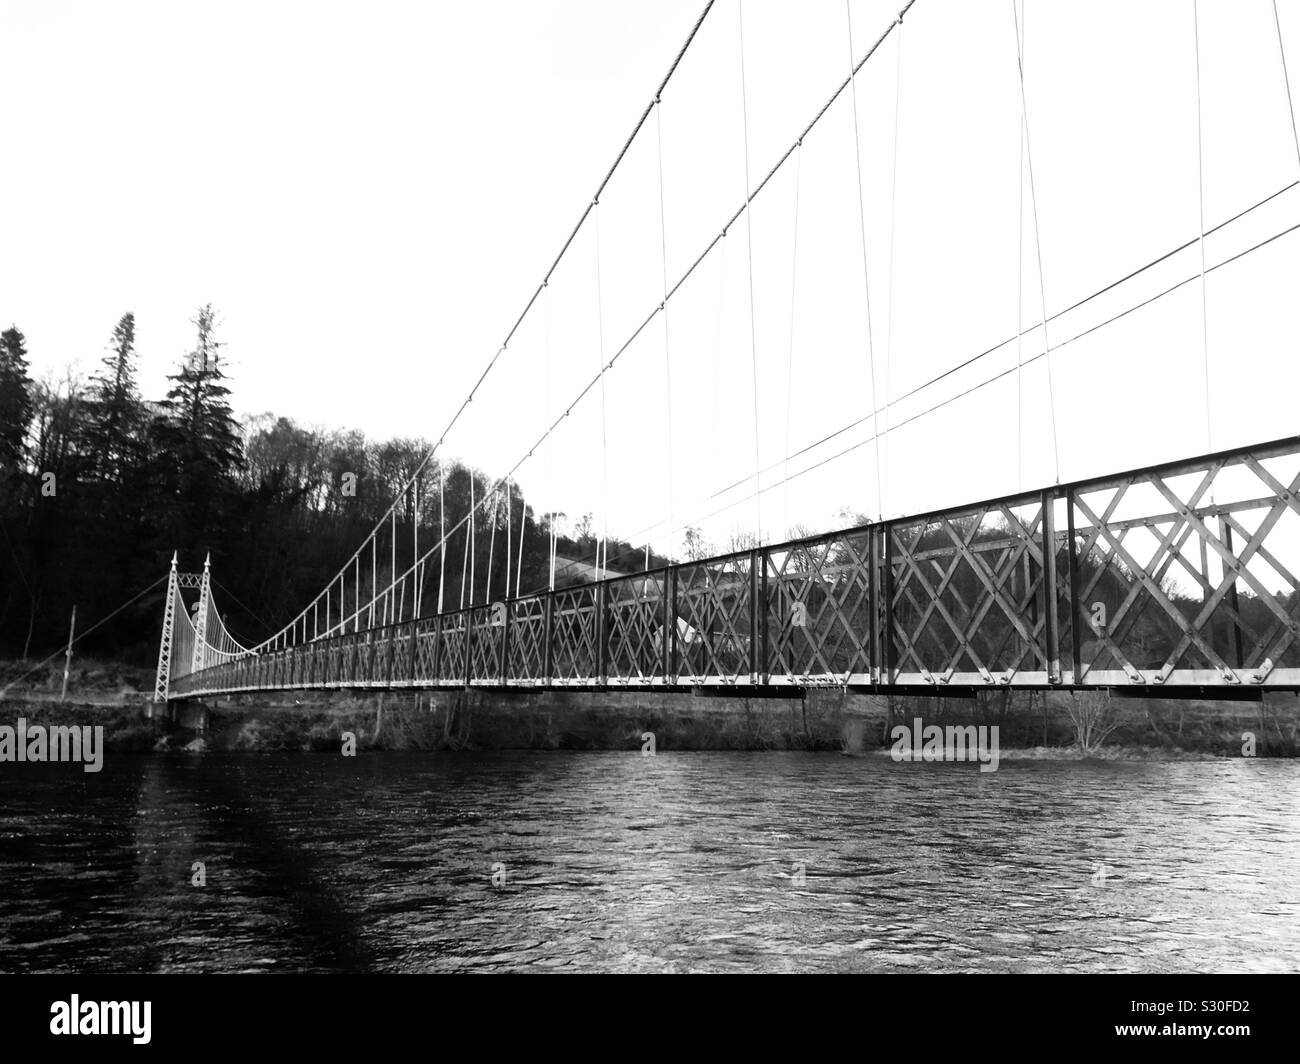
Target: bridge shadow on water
(266,902)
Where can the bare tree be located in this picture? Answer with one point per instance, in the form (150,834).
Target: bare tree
(1094,716)
(741,540)
(695,546)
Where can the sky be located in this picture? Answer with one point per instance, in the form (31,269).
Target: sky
(369,195)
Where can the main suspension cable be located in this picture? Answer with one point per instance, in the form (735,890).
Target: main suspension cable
(982,384)
(627,144)
(1286,81)
(978,386)
(751,196)
(966,363)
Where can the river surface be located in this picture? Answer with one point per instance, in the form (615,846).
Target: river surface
(618,862)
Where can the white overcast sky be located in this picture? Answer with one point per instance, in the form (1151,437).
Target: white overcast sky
(368,193)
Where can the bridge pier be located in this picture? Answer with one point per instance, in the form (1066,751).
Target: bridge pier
(168,715)
(192,715)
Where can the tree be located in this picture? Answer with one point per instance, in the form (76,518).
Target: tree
(15,399)
(57,458)
(741,540)
(1094,716)
(56,429)
(197,436)
(116,413)
(695,545)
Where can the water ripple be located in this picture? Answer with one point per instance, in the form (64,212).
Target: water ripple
(680,862)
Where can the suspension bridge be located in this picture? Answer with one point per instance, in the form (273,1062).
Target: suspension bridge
(1176,578)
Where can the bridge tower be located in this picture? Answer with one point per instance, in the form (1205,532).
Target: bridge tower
(199,657)
(163,676)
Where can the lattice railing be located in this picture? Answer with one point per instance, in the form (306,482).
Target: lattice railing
(487,636)
(634,629)
(453,647)
(1177,576)
(974,593)
(575,641)
(715,602)
(527,641)
(818,619)
(1187,575)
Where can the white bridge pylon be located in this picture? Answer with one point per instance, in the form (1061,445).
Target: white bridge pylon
(192,639)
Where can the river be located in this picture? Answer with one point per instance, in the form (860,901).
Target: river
(679,862)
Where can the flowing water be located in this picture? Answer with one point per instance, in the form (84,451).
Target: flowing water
(620,862)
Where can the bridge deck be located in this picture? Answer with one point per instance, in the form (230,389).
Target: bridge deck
(1175,577)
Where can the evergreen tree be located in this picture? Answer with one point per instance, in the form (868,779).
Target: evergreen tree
(15,400)
(197,437)
(116,412)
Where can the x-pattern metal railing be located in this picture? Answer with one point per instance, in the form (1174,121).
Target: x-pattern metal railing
(716,602)
(527,640)
(1144,578)
(574,622)
(948,626)
(634,626)
(818,618)
(453,647)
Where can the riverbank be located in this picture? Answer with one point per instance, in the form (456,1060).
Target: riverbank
(1038,726)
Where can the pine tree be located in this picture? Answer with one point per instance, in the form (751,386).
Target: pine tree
(197,437)
(116,413)
(15,400)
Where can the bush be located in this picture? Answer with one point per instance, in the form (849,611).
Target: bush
(1094,716)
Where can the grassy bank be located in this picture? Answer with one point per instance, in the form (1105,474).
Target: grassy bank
(1029,724)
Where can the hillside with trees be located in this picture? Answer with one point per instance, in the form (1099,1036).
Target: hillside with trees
(99,485)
